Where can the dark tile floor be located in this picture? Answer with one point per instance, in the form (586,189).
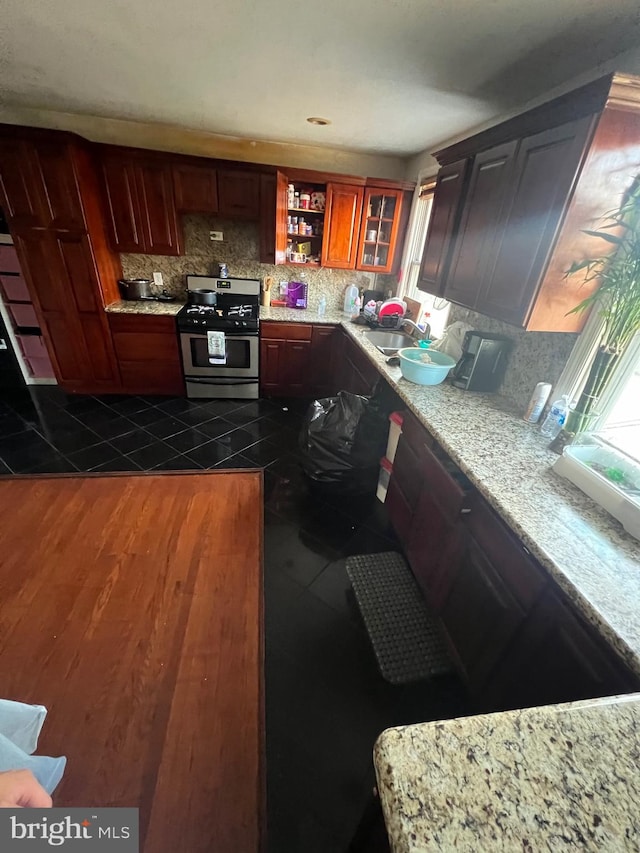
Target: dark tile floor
(325,700)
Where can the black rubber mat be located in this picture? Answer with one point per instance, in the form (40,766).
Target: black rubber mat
(405,638)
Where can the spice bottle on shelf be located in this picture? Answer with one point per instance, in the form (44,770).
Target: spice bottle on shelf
(296,200)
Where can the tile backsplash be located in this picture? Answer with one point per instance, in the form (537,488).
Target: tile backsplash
(535,357)
(240,251)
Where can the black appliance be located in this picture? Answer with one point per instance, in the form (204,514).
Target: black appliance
(482,364)
(235,314)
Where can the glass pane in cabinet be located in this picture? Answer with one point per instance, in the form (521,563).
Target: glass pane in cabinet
(380,257)
(375,207)
(388,206)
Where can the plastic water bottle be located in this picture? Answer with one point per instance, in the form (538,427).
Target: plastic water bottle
(322,306)
(554,421)
(350,296)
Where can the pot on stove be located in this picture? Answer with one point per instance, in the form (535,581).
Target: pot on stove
(202,297)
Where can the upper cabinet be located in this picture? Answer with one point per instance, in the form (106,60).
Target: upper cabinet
(442,225)
(196,188)
(142,214)
(341,222)
(511,205)
(40,185)
(379,229)
(239,194)
(481,224)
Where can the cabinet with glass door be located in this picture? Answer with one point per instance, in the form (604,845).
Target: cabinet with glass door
(379,229)
(306,204)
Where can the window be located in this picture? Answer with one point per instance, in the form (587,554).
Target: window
(619,423)
(438,309)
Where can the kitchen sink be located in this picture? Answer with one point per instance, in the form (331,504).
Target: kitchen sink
(389,342)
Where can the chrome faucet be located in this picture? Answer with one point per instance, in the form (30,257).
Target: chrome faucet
(417,331)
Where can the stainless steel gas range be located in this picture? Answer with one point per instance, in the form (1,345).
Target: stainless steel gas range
(219,341)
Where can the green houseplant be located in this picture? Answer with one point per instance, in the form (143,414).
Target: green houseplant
(617,300)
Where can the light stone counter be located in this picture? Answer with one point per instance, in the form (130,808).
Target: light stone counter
(144,306)
(586,550)
(562,777)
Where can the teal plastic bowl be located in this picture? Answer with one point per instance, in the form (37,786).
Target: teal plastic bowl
(416,371)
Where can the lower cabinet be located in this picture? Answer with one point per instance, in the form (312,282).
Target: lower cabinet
(147,352)
(495,589)
(556,657)
(355,372)
(515,640)
(298,359)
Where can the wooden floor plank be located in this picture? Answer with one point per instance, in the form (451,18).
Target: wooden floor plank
(131,607)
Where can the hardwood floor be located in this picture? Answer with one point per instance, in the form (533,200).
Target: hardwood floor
(131,606)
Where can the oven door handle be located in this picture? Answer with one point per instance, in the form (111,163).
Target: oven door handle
(220,380)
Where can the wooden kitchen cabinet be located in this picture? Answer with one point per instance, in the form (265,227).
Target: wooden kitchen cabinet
(50,190)
(557,657)
(195,187)
(481,224)
(273,218)
(40,185)
(502,238)
(148,355)
(450,185)
(239,194)
(356,373)
(341,226)
(140,202)
(379,228)
(325,354)
(61,272)
(437,538)
(544,173)
(285,359)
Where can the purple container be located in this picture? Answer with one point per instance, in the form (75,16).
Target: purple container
(297,294)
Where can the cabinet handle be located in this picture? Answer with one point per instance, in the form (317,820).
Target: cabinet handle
(465,511)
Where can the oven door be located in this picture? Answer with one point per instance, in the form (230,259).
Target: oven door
(241,356)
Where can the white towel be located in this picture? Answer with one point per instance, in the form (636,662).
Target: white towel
(216,348)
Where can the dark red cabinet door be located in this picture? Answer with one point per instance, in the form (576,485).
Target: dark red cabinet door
(272,361)
(61,193)
(556,658)
(20,191)
(161,233)
(545,170)
(125,221)
(196,188)
(447,200)
(239,194)
(324,360)
(481,224)
(297,365)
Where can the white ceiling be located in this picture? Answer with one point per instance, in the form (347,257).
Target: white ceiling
(394,76)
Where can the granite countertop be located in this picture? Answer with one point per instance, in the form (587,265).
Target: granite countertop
(552,778)
(585,549)
(144,306)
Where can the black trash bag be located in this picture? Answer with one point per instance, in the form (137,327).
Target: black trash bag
(343,439)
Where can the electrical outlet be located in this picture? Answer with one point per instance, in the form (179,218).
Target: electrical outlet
(157,280)
(218,236)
